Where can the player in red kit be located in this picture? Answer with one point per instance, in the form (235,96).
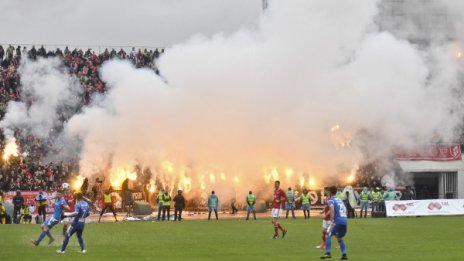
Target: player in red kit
(69,197)
(279,198)
(325,225)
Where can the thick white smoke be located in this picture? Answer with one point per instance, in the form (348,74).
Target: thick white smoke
(47,93)
(281,99)
(268,97)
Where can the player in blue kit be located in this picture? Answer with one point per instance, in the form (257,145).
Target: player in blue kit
(338,224)
(58,207)
(81,211)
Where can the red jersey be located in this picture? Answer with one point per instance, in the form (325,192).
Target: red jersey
(69,198)
(326,213)
(279,198)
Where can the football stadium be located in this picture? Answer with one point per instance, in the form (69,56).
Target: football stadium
(231,130)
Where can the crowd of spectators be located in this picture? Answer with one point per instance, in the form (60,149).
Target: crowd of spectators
(28,171)
(376,175)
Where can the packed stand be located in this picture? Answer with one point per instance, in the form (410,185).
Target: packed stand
(28,171)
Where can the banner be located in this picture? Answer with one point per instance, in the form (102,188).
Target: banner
(435,207)
(29,199)
(432,152)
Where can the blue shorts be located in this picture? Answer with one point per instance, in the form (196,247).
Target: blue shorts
(364,204)
(289,206)
(75,229)
(305,207)
(339,231)
(212,209)
(250,208)
(51,222)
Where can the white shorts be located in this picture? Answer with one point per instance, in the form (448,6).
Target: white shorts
(276,213)
(326,224)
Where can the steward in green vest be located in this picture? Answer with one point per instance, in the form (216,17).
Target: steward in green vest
(375,200)
(160,203)
(382,200)
(25,215)
(251,200)
(166,201)
(290,204)
(365,196)
(213,203)
(108,203)
(2,214)
(305,203)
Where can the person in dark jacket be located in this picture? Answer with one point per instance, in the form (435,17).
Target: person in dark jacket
(179,205)
(18,202)
(408,194)
(2,53)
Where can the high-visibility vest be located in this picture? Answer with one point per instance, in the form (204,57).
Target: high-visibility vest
(41,199)
(251,199)
(2,210)
(107,198)
(290,196)
(375,196)
(212,201)
(166,200)
(305,199)
(1,199)
(364,196)
(26,211)
(160,194)
(338,195)
(381,197)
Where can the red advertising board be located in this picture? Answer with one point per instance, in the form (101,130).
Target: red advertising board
(29,197)
(439,152)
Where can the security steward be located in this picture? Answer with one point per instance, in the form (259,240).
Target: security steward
(108,202)
(251,200)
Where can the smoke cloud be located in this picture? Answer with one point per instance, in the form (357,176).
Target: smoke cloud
(299,95)
(48,94)
(263,102)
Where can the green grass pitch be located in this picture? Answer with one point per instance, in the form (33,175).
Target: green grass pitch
(424,238)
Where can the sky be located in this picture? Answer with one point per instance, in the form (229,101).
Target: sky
(153,23)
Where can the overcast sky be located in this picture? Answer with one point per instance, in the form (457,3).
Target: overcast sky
(121,22)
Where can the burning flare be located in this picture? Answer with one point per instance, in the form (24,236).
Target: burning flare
(118,177)
(152,187)
(212,178)
(76,184)
(11,149)
(289,173)
(312,182)
(185,184)
(352,175)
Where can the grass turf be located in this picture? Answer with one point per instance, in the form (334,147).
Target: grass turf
(425,238)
